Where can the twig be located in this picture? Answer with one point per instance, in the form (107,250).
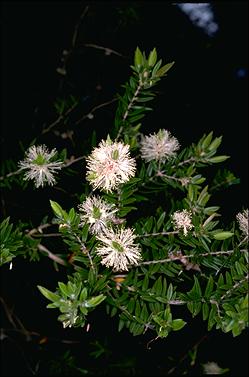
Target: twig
(128,108)
(156,234)
(59,119)
(188,256)
(187,353)
(28,333)
(191,159)
(89,115)
(52,256)
(184,180)
(72,161)
(236,285)
(108,51)
(47,235)
(68,53)
(10,174)
(12,318)
(152,340)
(39,229)
(76,29)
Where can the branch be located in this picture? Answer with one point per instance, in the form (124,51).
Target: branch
(10,174)
(189,160)
(59,119)
(72,160)
(90,114)
(236,285)
(52,256)
(68,53)
(108,51)
(128,108)
(188,256)
(156,234)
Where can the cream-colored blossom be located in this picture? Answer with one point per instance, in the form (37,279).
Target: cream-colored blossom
(39,165)
(242,218)
(159,146)
(118,249)
(109,165)
(212,368)
(97,213)
(182,220)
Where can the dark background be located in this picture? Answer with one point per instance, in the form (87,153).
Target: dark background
(207,89)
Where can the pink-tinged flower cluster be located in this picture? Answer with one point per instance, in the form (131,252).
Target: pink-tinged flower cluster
(182,221)
(242,218)
(110,165)
(160,146)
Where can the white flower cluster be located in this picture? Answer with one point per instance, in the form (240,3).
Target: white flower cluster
(182,220)
(118,249)
(159,146)
(109,165)
(212,368)
(39,165)
(242,218)
(97,213)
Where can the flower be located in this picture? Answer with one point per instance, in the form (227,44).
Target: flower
(242,218)
(109,165)
(160,146)
(212,368)
(118,249)
(97,213)
(182,220)
(39,166)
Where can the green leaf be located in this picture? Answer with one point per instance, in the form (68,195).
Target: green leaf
(138,58)
(84,232)
(239,268)
(71,215)
(156,68)
(217,159)
(48,294)
(57,209)
(161,72)
(169,292)
(178,324)
(113,311)
(131,305)
(205,311)
(121,325)
(137,309)
(207,140)
(94,301)
(215,143)
(197,288)
(223,235)
(144,313)
(209,287)
(229,280)
(161,220)
(83,294)
(191,193)
(145,283)
(64,289)
(152,58)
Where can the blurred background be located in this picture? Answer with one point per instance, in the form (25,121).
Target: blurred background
(51,50)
